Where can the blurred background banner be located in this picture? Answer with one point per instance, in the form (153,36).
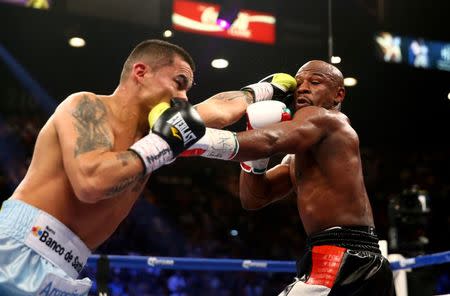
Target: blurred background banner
(205,18)
(416,52)
(38,4)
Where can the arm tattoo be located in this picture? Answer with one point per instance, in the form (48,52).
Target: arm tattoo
(90,122)
(123,185)
(139,184)
(249,97)
(232,95)
(139,179)
(124,157)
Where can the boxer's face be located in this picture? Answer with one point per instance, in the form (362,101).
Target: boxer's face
(317,86)
(168,81)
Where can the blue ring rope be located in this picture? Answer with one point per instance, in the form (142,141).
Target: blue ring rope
(185,263)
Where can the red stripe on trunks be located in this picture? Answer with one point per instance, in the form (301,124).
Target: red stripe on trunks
(326,261)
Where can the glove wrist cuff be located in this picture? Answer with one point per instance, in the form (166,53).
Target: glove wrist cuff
(222,144)
(153,151)
(257,167)
(261,91)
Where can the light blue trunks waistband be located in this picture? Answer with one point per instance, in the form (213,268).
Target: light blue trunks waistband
(45,235)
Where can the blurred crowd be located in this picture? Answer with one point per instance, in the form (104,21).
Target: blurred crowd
(191,208)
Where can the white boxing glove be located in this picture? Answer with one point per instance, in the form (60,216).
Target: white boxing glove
(264,113)
(259,115)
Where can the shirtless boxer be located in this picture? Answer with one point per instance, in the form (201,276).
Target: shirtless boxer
(323,169)
(92,159)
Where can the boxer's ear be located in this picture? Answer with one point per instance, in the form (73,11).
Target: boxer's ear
(138,70)
(340,95)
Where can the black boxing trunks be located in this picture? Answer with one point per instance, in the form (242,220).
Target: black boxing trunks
(342,261)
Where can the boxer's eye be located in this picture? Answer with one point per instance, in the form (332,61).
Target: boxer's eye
(183,82)
(179,81)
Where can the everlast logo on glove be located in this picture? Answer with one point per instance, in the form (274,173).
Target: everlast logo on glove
(180,126)
(173,129)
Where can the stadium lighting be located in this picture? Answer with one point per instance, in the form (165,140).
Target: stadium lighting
(168,33)
(77,42)
(219,63)
(350,81)
(335,59)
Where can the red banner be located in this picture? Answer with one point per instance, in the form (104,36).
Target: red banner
(200,17)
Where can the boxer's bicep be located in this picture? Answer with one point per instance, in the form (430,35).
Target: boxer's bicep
(305,131)
(224,108)
(308,127)
(291,137)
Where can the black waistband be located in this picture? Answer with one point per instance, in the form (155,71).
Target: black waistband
(358,238)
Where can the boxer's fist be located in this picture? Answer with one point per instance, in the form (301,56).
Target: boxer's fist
(179,125)
(174,128)
(274,87)
(282,81)
(156,112)
(259,115)
(264,113)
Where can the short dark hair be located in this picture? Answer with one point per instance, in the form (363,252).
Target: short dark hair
(157,53)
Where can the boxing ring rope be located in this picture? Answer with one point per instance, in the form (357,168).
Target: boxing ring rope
(399,265)
(185,263)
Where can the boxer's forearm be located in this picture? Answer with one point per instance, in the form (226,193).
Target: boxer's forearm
(257,191)
(225,108)
(106,174)
(253,191)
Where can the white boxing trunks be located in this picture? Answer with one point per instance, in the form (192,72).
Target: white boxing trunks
(38,254)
